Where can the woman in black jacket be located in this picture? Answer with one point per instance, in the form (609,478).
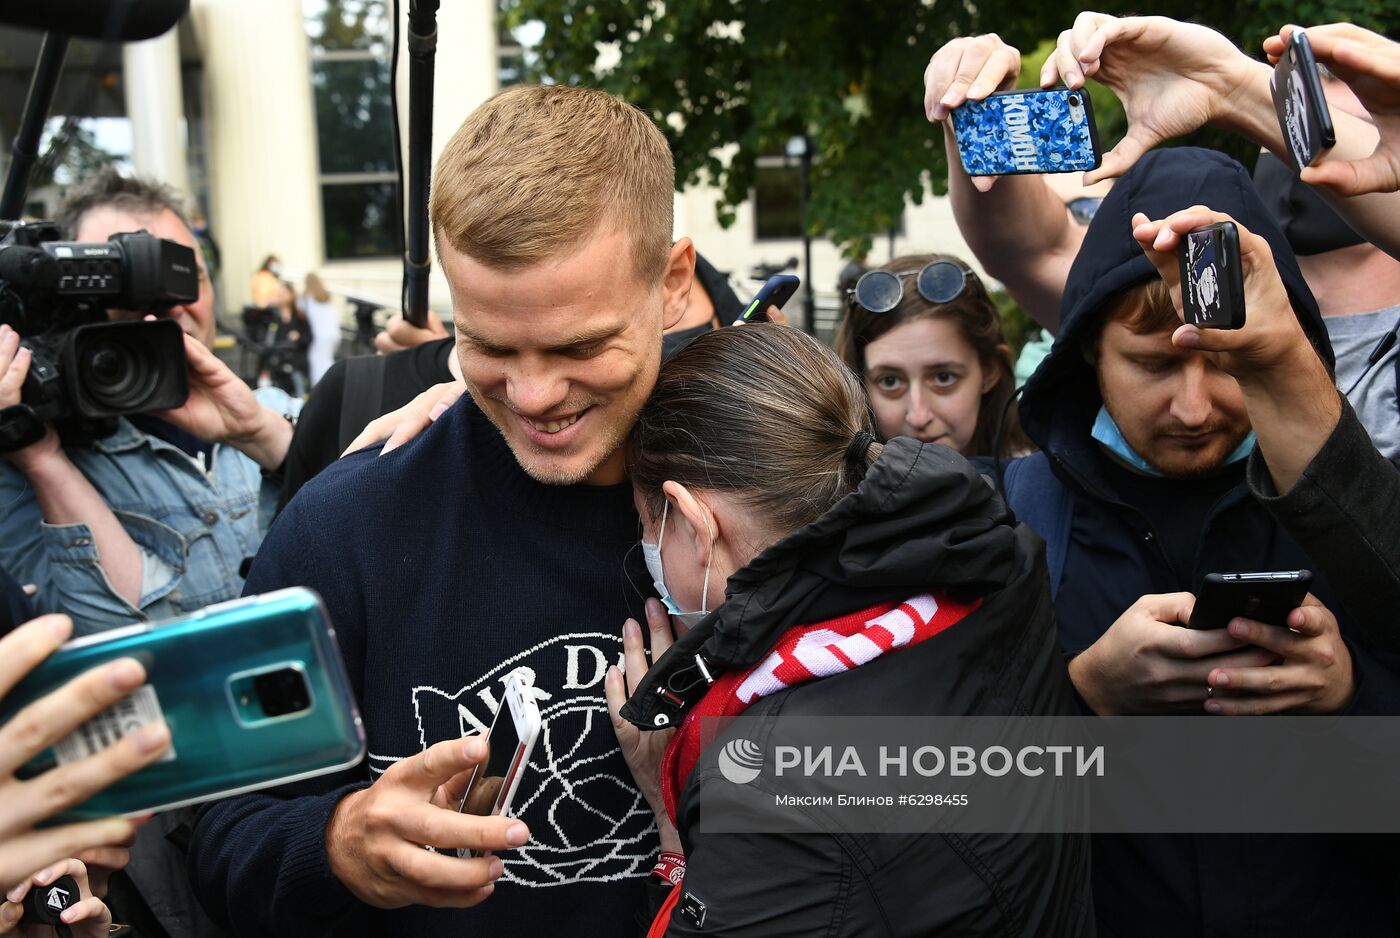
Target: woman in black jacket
(770,512)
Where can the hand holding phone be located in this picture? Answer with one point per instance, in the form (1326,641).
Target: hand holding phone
(1311,670)
(25,845)
(1272,343)
(1263,597)
(1047,130)
(1301,106)
(253,691)
(510,740)
(376,835)
(775,292)
(1212,281)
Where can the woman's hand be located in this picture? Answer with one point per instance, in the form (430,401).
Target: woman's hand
(643,750)
(86,916)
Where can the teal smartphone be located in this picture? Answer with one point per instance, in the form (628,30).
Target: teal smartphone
(254,692)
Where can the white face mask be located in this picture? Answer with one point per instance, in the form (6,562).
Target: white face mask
(652,554)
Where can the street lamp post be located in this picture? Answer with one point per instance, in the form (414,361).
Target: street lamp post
(800,148)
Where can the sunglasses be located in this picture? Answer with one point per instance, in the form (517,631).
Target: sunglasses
(880,291)
(1084,208)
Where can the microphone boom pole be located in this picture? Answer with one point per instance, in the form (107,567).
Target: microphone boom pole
(31,125)
(422,47)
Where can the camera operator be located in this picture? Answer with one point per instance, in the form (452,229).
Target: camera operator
(156,518)
(1315,468)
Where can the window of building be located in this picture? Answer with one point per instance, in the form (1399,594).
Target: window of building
(354,126)
(777,199)
(510,58)
(515,47)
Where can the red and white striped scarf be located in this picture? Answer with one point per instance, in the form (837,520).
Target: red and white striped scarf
(805,653)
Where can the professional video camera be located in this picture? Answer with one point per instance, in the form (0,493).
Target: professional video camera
(87,370)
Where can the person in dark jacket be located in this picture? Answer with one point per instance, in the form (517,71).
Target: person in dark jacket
(1140,491)
(765,498)
(1316,468)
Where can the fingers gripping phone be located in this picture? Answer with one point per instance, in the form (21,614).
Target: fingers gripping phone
(775,292)
(254,693)
(509,742)
(1033,131)
(1301,106)
(1264,597)
(1212,281)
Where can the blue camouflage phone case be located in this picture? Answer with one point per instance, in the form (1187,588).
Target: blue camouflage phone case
(254,692)
(1034,131)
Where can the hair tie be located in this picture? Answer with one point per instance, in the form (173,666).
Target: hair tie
(859,449)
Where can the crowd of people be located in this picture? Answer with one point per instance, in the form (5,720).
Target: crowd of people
(295,337)
(598,467)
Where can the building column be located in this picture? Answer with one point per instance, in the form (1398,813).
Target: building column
(154,105)
(263,175)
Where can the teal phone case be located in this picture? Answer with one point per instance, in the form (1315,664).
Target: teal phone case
(202,668)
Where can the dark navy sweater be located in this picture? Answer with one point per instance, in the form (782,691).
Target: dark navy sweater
(445,567)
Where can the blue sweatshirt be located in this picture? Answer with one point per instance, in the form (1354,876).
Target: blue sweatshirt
(444,568)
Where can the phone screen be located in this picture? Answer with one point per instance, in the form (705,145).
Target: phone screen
(488,783)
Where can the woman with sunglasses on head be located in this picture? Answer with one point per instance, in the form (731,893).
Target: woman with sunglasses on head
(926,339)
(825,574)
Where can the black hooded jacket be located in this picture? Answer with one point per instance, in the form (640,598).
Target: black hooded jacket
(922,520)
(1180,885)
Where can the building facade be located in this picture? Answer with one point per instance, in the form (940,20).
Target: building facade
(273,115)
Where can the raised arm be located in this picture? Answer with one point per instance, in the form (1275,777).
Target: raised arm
(1031,257)
(1174,78)
(57,496)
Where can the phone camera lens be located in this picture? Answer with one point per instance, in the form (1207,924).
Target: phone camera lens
(1074,100)
(281,692)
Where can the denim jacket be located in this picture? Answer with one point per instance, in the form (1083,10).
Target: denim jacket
(193,527)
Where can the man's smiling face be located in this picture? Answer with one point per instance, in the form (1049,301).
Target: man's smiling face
(562,355)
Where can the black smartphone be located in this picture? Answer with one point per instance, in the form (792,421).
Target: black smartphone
(1302,111)
(1212,282)
(1264,597)
(775,292)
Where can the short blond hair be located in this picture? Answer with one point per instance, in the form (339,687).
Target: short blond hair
(537,169)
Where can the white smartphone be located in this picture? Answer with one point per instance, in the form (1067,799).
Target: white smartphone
(509,743)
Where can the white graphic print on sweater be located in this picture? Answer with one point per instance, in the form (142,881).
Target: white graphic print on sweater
(588,822)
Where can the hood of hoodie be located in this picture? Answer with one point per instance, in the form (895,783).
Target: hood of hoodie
(1062,397)
(922,520)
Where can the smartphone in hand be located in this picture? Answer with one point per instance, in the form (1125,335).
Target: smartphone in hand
(253,690)
(1302,111)
(1264,597)
(509,742)
(776,291)
(1212,282)
(1033,131)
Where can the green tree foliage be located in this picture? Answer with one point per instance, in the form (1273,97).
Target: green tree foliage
(70,154)
(728,80)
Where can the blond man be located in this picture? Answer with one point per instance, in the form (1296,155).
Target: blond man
(499,541)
